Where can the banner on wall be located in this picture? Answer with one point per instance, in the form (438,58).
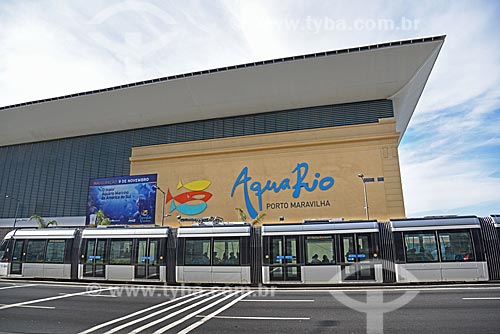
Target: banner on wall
(123,199)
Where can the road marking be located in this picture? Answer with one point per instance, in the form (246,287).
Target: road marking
(34,306)
(51,298)
(280,300)
(48,283)
(209,306)
(360,289)
(157,321)
(344,288)
(252,318)
(130,323)
(211,315)
(481,298)
(106,296)
(17,286)
(143,311)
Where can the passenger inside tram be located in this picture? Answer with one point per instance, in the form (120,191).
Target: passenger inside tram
(205,259)
(232,259)
(224,258)
(411,255)
(216,259)
(315,259)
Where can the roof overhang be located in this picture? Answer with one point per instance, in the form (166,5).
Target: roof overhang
(396,71)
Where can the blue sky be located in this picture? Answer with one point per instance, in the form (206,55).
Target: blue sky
(450,154)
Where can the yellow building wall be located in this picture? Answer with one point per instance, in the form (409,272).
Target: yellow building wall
(193,172)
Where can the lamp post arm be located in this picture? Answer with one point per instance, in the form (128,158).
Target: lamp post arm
(18,203)
(162,206)
(366,201)
(362,178)
(17,211)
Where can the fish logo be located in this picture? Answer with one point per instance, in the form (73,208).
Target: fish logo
(195,185)
(196,193)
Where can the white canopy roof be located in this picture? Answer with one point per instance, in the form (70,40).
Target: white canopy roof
(396,71)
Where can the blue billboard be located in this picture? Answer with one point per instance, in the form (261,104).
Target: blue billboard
(123,199)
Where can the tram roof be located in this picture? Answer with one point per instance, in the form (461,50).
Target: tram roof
(319,228)
(153,232)
(435,223)
(396,71)
(496,220)
(44,233)
(200,231)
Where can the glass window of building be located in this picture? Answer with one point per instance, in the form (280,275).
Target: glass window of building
(456,246)
(35,251)
(197,252)
(120,252)
(226,252)
(55,251)
(320,250)
(421,247)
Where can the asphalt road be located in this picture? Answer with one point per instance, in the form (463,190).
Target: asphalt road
(46,307)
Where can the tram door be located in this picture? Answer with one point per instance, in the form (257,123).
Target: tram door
(16,266)
(357,257)
(146,261)
(284,260)
(95,251)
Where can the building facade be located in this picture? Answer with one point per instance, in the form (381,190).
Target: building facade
(285,137)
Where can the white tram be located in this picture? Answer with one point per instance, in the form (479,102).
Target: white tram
(321,253)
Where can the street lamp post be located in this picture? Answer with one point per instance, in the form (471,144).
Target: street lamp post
(17,208)
(162,206)
(361,176)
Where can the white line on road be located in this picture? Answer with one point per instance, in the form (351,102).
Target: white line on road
(362,289)
(90,330)
(182,310)
(34,306)
(481,298)
(130,323)
(52,298)
(280,300)
(106,296)
(211,315)
(17,286)
(252,318)
(344,288)
(209,306)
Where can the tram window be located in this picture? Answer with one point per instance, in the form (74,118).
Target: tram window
(141,251)
(276,251)
(120,252)
(421,247)
(456,246)
(197,252)
(55,251)
(319,250)
(349,253)
(226,252)
(3,249)
(153,252)
(291,250)
(367,248)
(35,251)
(17,253)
